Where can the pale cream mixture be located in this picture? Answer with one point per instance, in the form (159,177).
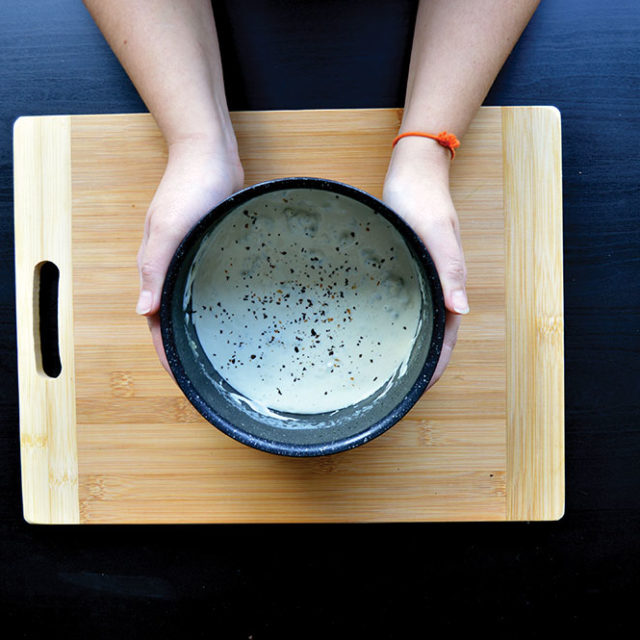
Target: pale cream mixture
(305,302)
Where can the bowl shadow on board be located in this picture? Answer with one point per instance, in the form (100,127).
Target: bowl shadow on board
(282,432)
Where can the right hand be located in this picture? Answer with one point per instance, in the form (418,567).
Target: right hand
(196,179)
(417,188)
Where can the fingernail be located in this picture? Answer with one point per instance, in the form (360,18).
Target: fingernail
(460,304)
(144,302)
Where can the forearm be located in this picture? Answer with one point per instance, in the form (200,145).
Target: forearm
(459,47)
(170,51)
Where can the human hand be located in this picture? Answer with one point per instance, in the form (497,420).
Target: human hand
(417,188)
(195,180)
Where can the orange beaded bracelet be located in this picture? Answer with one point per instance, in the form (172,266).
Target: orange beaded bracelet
(447,140)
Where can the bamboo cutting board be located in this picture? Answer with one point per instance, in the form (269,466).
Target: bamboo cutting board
(112,439)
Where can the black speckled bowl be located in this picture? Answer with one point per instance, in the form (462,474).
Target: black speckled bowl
(296,434)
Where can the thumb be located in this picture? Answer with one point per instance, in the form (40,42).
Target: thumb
(445,248)
(154,257)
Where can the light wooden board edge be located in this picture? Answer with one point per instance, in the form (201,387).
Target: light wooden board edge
(535,324)
(42,225)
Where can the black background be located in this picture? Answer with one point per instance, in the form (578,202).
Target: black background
(379,581)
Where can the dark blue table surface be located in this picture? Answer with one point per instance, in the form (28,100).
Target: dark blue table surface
(380,581)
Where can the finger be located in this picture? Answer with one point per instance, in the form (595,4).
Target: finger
(444,245)
(153,261)
(156,337)
(452,324)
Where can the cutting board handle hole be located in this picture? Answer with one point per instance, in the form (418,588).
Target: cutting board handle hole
(45,320)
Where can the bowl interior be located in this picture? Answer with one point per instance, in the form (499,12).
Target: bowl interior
(302,317)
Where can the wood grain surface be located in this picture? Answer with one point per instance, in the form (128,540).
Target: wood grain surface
(485,444)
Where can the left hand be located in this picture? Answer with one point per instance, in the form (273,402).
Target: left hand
(197,177)
(417,188)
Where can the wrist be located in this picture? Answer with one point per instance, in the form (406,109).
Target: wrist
(203,140)
(202,126)
(420,156)
(210,160)
(209,142)
(422,150)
